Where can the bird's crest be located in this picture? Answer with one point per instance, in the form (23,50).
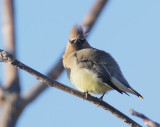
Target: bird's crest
(76,32)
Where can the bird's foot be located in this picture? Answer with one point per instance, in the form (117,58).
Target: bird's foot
(101,98)
(86,94)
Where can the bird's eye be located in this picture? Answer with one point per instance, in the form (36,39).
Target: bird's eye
(73,41)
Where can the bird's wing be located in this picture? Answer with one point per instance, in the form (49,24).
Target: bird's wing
(92,59)
(106,68)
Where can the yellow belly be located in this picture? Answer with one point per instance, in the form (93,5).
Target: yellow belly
(87,81)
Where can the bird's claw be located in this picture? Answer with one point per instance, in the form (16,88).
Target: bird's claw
(101,98)
(86,94)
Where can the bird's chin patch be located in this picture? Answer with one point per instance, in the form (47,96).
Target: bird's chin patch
(78,46)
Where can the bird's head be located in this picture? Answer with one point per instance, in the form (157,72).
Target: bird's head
(77,38)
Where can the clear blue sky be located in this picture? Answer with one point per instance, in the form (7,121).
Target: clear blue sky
(128,30)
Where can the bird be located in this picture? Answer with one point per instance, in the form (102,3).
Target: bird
(91,70)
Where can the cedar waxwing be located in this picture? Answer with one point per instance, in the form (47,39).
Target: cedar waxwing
(91,70)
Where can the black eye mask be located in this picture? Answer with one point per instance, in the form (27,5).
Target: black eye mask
(76,41)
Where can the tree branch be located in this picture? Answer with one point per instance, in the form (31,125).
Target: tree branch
(147,121)
(11,74)
(10,94)
(89,21)
(8,58)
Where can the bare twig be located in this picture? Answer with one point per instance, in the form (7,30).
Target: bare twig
(89,21)
(11,74)
(147,121)
(8,58)
(37,89)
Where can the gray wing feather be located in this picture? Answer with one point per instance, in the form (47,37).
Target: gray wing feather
(93,59)
(105,66)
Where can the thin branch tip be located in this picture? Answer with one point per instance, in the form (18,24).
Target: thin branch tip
(6,57)
(147,121)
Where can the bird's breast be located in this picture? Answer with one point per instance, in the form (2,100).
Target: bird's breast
(86,80)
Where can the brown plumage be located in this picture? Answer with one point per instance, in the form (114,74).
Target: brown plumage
(92,70)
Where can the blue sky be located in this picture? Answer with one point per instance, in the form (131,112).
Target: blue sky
(128,30)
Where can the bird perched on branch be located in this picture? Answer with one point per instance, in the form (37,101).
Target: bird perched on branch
(91,70)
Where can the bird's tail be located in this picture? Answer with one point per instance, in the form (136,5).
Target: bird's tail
(136,93)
